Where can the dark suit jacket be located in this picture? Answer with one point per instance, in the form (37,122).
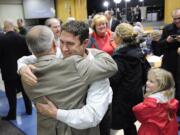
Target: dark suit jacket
(126,85)
(1,35)
(169,50)
(115,22)
(22,31)
(12,47)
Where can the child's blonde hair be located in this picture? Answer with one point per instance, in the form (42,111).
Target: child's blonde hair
(165,81)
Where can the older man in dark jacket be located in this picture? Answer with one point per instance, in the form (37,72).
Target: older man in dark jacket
(12,47)
(169,45)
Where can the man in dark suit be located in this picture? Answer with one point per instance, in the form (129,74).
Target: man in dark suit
(12,47)
(169,43)
(1,35)
(21,27)
(112,22)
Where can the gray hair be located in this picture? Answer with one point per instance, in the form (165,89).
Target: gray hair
(139,24)
(49,21)
(8,25)
(40,39)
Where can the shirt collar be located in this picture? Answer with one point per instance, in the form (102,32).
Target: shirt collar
(89,56)
(46,58)
(161,97)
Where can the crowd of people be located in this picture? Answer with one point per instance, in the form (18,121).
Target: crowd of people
(88,79)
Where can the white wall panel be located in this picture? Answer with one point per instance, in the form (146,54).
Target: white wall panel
(10,1)
(12,11)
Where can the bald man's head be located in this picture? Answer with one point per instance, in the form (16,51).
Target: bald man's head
(8,25)
(40,40)
(176,17)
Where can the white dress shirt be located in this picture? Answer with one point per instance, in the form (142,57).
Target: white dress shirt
(110,22)
(98,98)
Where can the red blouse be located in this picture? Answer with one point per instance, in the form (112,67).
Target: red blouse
(105,43)
(157,118)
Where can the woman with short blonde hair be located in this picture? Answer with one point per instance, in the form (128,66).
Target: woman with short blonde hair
(98,19)
(124,33)
(101,38)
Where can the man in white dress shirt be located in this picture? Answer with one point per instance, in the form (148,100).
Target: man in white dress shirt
(98,97)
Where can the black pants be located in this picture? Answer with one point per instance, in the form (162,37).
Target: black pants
(177,82)
(105,124)
(130,130)
(11,87)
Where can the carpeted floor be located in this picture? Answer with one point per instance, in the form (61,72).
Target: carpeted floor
(24,123)
(6,128)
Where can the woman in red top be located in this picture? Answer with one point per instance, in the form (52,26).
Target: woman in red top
(157,113)
(101,38)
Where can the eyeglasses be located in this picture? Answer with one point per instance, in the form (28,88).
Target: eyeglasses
(175,19)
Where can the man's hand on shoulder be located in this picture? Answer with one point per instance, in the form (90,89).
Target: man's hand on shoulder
(48,109)
(27,75)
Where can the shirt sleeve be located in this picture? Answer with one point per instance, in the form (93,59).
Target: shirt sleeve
(25,60)
(102,66)
(98,98)
(58,53)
